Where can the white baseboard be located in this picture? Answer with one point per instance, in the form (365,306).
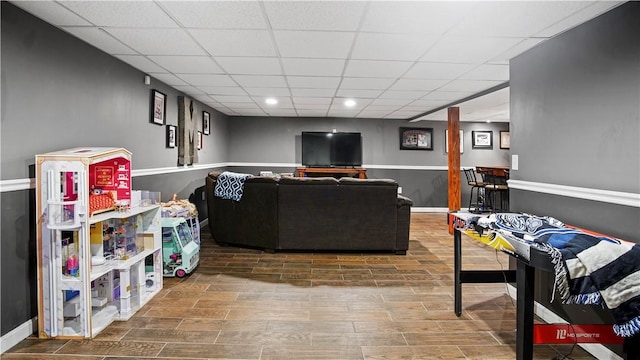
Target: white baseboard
(13,337)
(599,351)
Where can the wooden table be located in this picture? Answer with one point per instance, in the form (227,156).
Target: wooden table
(497,171)
(303,171)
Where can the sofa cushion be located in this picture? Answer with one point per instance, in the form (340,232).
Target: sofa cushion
(308,181)
(372,182)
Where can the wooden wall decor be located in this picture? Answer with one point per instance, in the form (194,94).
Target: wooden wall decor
(187,131)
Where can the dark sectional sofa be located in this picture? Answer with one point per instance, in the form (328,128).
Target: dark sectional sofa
(312,214)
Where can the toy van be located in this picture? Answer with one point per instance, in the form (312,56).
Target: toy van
(180,254)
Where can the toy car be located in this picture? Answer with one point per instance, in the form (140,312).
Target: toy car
(180,254)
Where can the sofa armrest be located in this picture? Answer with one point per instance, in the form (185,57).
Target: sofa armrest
(403,224)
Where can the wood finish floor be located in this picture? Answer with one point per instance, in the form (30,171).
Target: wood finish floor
(247,304)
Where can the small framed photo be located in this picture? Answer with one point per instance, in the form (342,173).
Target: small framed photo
(482,139)
(446,141)
(505,140)
(206,123)
(199,140)
(172,136)
(416,138)
(158,107)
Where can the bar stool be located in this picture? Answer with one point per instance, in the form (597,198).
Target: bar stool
(497,185)
(477,185)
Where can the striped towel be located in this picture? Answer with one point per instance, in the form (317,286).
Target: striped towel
(230,185)
(589,269)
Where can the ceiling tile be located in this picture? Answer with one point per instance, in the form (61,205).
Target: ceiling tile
(312,106)
(488,72)
(100,39)
(515,50)
(314,15)
(428,104)
(207,80)
(231,98)
(235,42)
(314,44)
(471,50)
(406,47)
(313,67)
(423,85)
(158,41)
(141,63)
(260,81)
(313,92)
(283,103)
(268,91)
(250,65)
(469,85)
(514,18)
(312,113)
(245,106)
(52,12)
(250,112)
(217,14)
(389,101)
(401,94)
(190,90)
(168,79)
(431,70)
(373,114)
(366,83)
(594,8)
(382,108)
(313,82)
(376,69)
(281,112)
(223,90)
(359,93)
(301,100)
(187,64)
(122,13)
(424,17)
(447,95)
(342,113)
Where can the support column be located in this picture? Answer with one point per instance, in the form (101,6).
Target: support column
(453,125)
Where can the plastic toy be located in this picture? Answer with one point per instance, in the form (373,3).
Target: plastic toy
(180,254)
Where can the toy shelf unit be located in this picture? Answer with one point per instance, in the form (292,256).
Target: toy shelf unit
(96,253)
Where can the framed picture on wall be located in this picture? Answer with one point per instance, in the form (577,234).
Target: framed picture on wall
(172,136)
(482,139)
(199,140)
(505,140)
(416,138)
(206,122)
(446,141)
(158,107)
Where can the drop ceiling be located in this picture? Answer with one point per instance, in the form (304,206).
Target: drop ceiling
(396,59)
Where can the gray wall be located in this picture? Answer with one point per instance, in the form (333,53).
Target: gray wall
(575,120)
(575,117)
(277,140)
(57,93)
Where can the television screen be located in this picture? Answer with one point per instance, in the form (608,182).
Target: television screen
(327,149)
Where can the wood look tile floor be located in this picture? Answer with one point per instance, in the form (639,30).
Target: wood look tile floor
(248,304)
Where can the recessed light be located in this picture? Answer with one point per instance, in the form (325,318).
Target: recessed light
(271,101)
(349,103)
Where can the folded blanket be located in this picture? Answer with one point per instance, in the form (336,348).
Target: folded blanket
(230,185)
(589,269)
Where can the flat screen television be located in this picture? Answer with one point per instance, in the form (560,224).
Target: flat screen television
(329,149)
